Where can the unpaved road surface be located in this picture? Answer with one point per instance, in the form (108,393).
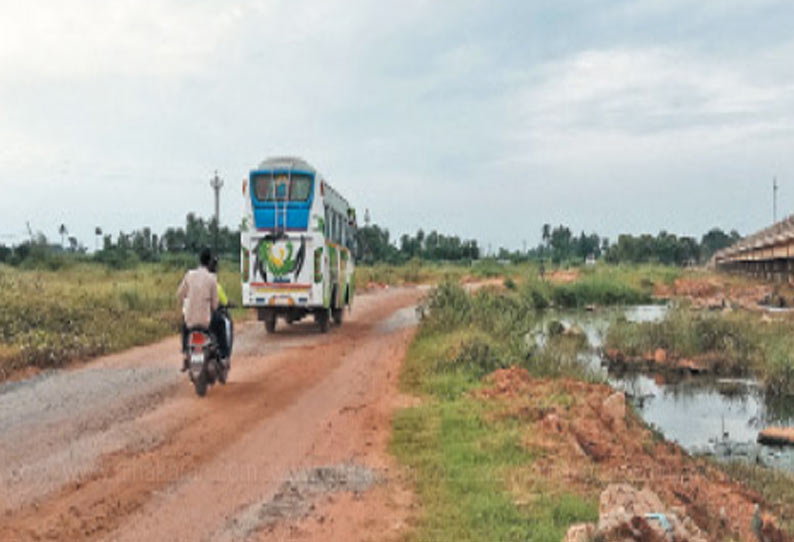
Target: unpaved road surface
(293,447)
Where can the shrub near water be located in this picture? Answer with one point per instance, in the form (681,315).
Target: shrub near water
(602,285)
(739,343)
(52,317)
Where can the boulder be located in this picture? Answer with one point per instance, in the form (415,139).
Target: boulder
(613,410)
(584,532)
(622,508)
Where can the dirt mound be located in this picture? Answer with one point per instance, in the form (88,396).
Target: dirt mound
(506,383)
(586,440)
(717,291)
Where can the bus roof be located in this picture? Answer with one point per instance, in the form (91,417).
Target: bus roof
(295,163)
(286,162)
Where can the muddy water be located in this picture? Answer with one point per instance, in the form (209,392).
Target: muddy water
(705,415)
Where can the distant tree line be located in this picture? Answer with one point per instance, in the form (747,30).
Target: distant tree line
(558,245)
(561,245)
(127,248)
(373,245)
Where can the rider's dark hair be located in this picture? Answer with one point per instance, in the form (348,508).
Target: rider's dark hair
(205,256)
(213,266)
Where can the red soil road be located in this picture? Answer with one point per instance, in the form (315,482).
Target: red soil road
(151,461)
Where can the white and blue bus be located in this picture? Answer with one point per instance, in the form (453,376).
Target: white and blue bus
(297,240)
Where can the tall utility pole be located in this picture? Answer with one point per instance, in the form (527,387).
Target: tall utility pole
(775,188)
(217,183)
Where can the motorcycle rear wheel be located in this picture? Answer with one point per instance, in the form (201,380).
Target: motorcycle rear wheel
(200,383)
(223,373)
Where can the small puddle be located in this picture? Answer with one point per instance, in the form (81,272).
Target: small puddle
(402,318)
(705,415)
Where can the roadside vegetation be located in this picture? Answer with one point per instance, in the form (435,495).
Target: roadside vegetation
(52,317)
(732,343)
(512,438)
(418,271)
(477,478)
(463,456)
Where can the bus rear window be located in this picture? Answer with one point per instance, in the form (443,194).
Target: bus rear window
(282,187)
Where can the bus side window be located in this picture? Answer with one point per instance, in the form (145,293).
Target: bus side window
(327,224)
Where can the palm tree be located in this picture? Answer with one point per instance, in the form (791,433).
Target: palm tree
(546,235)
(97,234)
(63,231)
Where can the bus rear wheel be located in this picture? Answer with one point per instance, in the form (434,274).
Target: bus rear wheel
(322,317)
(338,316)
(270,323)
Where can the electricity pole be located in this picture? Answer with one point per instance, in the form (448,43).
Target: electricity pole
(775,188)
(217,183)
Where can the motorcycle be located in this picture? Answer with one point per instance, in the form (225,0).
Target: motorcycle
(202,357)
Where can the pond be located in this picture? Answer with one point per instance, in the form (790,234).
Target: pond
(704,414)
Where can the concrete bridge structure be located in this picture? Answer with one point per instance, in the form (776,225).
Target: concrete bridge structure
(767,254)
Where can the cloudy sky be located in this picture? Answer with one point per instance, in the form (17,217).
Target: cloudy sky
(481,118)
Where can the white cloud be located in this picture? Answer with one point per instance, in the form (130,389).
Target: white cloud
(629,102)
(89,38)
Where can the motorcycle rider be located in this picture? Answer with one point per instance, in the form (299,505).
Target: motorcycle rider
(198,299)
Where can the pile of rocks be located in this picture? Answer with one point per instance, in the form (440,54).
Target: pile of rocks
(626,514)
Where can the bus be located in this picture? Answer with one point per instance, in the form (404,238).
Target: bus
(297,240)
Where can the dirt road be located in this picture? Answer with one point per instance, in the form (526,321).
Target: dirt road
(294,446)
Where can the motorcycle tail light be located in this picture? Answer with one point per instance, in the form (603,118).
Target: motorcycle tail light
(197,338)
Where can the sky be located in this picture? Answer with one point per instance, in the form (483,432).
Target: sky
(485,119)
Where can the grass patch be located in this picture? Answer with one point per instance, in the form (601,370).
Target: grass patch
(461,462)
(52,317)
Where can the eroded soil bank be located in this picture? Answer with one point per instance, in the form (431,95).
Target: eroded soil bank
(586,439)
